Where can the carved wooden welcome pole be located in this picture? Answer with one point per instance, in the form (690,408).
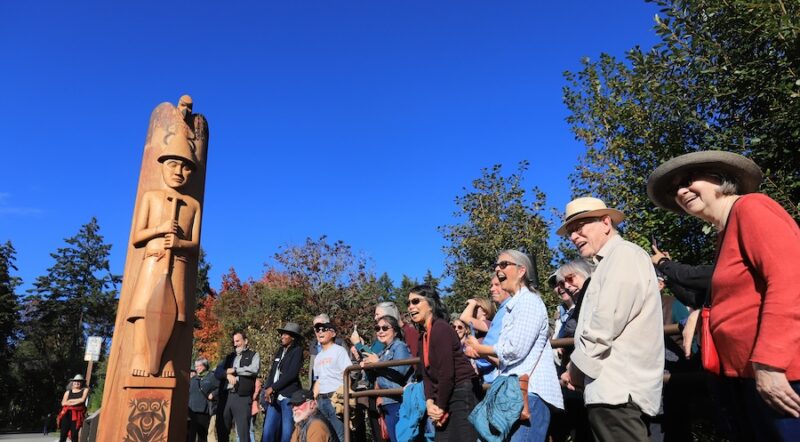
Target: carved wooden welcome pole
(146,389)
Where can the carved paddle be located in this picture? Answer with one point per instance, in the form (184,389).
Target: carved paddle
(162,307)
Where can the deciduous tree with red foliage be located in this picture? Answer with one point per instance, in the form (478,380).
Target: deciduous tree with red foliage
(208,335)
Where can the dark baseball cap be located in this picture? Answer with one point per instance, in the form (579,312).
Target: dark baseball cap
(299,397)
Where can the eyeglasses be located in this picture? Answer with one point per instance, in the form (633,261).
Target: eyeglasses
(578,225)
(321,328)
(414,301)
(458,327)
(380,328)
(570,279)
(504,264)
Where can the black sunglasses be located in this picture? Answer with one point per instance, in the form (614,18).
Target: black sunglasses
(414,301)
(321,328)
(458,327)
(504,264)
(379,328)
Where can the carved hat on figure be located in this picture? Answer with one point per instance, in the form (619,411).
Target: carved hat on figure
(588,207)
(293,329)
(178,147)
(662,183)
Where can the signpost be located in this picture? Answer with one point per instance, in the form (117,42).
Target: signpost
(92,355)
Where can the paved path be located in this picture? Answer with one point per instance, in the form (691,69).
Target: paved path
(52,437)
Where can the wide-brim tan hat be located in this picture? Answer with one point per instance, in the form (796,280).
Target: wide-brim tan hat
(588,207)
(661,183)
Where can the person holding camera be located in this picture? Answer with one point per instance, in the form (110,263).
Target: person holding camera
(283,380)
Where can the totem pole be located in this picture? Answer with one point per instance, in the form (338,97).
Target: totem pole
(146,389)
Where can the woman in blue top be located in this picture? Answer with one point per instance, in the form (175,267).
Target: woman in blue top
(389,334)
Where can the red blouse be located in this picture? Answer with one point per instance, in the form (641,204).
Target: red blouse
(755,312)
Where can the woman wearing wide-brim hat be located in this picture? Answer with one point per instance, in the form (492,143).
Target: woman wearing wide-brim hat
(73,409)
(754,300)
(283,380)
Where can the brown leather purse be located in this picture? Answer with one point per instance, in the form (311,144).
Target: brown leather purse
(525,414)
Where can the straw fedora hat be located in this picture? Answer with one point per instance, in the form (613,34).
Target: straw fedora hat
(588,207)
(78,378)
(661,183)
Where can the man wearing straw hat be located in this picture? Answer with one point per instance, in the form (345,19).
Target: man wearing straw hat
(619,339)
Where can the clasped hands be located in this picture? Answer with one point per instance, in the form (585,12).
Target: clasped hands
(434,412)
(169,229)
(231,376)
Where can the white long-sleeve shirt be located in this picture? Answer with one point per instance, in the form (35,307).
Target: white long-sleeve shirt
(619,340)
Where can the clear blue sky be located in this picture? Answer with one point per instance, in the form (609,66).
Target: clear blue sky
(361,120)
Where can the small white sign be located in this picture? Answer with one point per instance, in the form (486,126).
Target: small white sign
(93,345)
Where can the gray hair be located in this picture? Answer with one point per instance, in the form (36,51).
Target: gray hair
(203,361)
(389,309)
(522,260)
(579,266)
(322,317)
(728,186)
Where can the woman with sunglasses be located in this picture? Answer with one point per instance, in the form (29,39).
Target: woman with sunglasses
(573,277)
(462,331)
(448,378)
(754,300)
(390,334)
(523,347)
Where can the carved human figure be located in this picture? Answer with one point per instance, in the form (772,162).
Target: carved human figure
(167,225)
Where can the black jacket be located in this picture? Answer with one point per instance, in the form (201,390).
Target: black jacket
(289,380)
(689,283)
(199,389)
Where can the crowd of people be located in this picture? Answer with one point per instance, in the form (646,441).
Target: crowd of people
(609,386)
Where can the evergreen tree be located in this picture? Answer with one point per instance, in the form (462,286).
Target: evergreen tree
(74,300)
(9,317)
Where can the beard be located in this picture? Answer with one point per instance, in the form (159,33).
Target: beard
(301,415)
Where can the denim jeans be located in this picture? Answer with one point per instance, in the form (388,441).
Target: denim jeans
(535,429)
(325,408)
(392,415)
(278,422)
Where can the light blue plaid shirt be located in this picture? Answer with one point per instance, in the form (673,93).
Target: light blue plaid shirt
(524,343)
